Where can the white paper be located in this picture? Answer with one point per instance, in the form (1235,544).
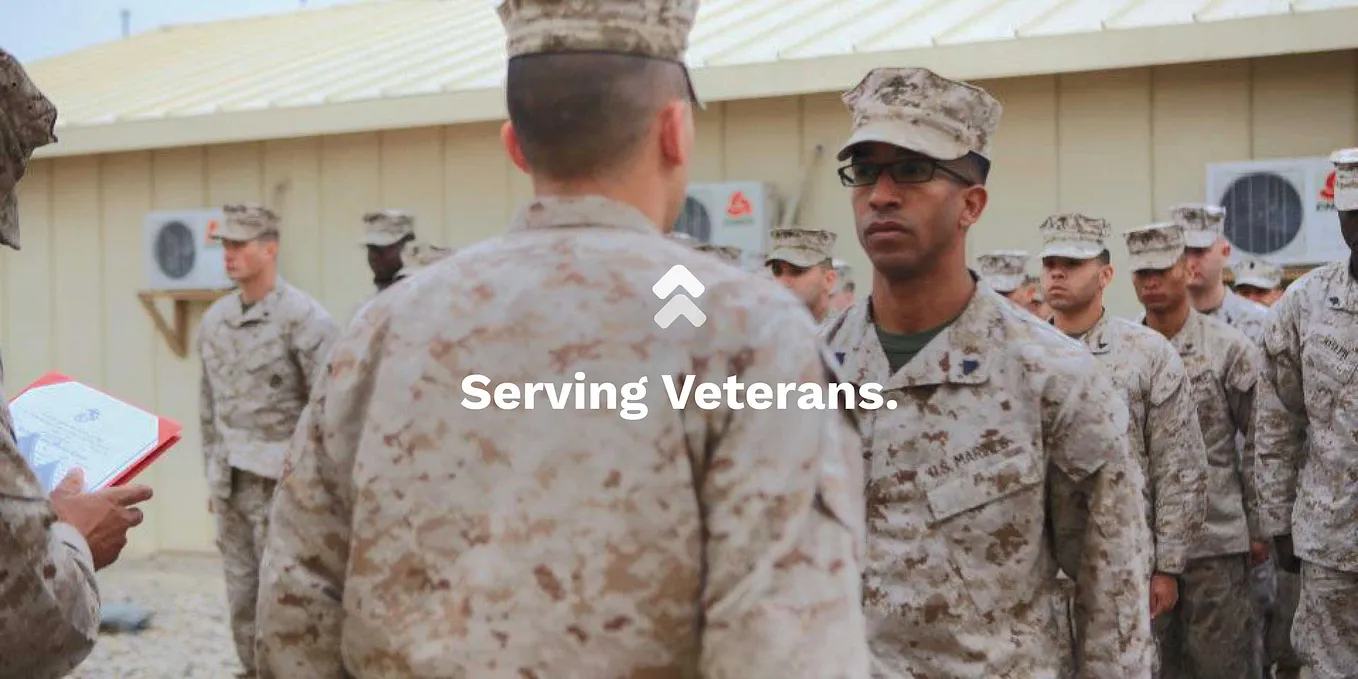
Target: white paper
(66,425)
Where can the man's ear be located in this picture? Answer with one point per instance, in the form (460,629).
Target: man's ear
(1106,275)
(510,138)
(974,200)
(675,125)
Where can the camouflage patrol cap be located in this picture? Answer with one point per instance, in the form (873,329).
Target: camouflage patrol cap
(729,253)
(919,110)
(1074,236)
(844,274)
(1203,224)
(803,248)
(416,256)
(387,227)
(27,121)
(1155,247)
(1345,179)
(657,29)
(1004,270)
(684,238)
(1258,273)
(246,222)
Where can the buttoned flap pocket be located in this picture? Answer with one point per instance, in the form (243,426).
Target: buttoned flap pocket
(1328,367)
(992,519)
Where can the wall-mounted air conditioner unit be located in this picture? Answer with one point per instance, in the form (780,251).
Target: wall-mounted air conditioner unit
(180,253)
(739,214)
(1279,210)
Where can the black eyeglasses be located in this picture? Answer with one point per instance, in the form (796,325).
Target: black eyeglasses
(904,171)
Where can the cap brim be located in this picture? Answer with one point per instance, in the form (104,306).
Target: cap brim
(921,138)
(1254,282)
(796,258)
(1152,261)
(1070,250)
(235,235)
(380,240)
(1005,284)
(1199,239)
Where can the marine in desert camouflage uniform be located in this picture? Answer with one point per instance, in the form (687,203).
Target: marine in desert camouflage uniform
(1258,280)
(1163,427)
(1212,634)
(261,350)
(1208,252)
(998,417)
(802,260)
(1277,590)
(416,256)
(726,253)
(50,545)
(1006,272)
(842,297)
(385,235)
(1308,456)
(415,536)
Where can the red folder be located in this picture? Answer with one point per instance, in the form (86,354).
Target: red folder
(167,430)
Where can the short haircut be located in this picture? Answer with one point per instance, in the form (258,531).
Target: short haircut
(583,115)
(268,237)
(1105,258)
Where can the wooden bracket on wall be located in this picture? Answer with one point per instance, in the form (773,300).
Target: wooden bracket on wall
(176,335)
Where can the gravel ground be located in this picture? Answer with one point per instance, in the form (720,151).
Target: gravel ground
(188,636)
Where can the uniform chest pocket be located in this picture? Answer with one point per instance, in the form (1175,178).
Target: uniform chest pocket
(991,520)
(1327,371)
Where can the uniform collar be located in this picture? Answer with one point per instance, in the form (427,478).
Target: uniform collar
(1191,337)
(958,355)
(1342,293)
(554,212)
(238,315)
(1096,338)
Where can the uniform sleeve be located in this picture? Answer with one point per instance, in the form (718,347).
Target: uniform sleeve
(1242,378)
(311,342)
(49,602)
(300,610)
(782,501)
(1178,463)
(1279,420)
(214,462)
(1101,487)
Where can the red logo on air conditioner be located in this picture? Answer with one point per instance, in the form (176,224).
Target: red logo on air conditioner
(211,229)
(739,206)
(1327,193)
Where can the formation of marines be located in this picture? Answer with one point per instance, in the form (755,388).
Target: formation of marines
(1049,491)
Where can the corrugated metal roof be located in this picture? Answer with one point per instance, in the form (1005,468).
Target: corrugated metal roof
(396,49)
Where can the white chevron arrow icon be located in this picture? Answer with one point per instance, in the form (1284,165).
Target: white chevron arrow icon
(680,305)
(678,277)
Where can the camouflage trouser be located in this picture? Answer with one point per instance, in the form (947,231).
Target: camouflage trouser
(242,524)
(1278,625)
(1213,632)
(1065,632)
(1325,631)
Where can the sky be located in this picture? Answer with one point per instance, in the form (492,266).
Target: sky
(36,29)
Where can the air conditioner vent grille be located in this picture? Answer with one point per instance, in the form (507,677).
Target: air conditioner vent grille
(1263,213)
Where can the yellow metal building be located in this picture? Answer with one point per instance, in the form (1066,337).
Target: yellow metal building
(1110,106)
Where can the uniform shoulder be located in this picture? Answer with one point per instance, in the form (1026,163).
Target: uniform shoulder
(298,304)
(1314,283)
(1141,334)
(1220,333)
(1040,335)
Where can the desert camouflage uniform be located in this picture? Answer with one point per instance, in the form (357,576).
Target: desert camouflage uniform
(719,543)
(999,417)
(417,537)
(259,365)
(417,256)
(1213,632)
(49,601)
(1308,459)
(1003,270)
(1204,226)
